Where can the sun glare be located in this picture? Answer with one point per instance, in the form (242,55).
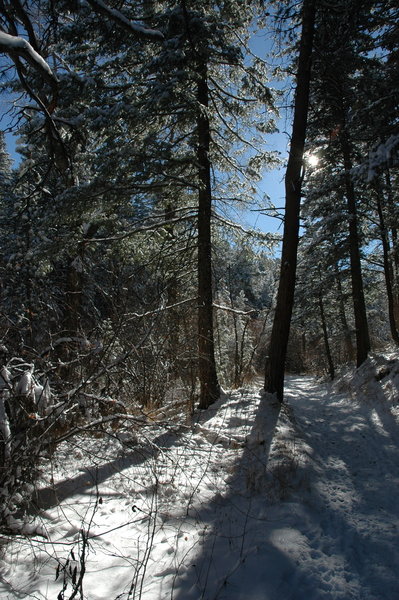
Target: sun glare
(313,160)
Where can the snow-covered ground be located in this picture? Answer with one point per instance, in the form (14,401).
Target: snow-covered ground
(246,502)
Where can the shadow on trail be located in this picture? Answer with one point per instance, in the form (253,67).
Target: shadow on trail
(239,559)
(355,475)
(337,540)
(100,471)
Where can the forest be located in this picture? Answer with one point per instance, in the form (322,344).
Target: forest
(134,140)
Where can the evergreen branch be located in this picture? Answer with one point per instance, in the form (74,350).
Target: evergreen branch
(133,28)
(143,229)
(229,94)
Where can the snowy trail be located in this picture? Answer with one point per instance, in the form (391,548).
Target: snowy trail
(353,512)
(249,502)
(335,535)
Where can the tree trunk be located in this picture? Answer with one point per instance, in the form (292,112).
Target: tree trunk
(277,352)
(395,244)
(172,287)
(75,286)
(330,362)
(209,385)
(73,305)
(359,306)
(388,270)
(342,315)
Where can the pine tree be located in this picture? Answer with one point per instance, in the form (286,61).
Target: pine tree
(140,118)
(347,118)
(200,59)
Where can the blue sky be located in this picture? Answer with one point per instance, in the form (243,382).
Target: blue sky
(272,184)
(264,45)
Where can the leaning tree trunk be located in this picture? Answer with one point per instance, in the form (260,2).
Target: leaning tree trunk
(277,352)
(209,385)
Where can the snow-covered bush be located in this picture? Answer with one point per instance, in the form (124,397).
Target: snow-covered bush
(23,405)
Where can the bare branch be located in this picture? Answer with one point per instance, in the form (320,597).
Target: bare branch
(268,237)
(235,311)
(160,310)
(95,424)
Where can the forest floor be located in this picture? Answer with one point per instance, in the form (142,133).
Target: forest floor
(249,500)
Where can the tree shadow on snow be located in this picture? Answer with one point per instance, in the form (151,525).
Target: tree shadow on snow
(352,504)
(239,558)
(99,472)
(321,545)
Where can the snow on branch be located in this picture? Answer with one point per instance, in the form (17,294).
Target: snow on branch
(128,25)
(157,311)
(380,155)
(235,311)
(10,44)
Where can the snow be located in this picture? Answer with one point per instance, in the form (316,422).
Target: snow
(247,501)
(25,386)
(381,154)
(15,42)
